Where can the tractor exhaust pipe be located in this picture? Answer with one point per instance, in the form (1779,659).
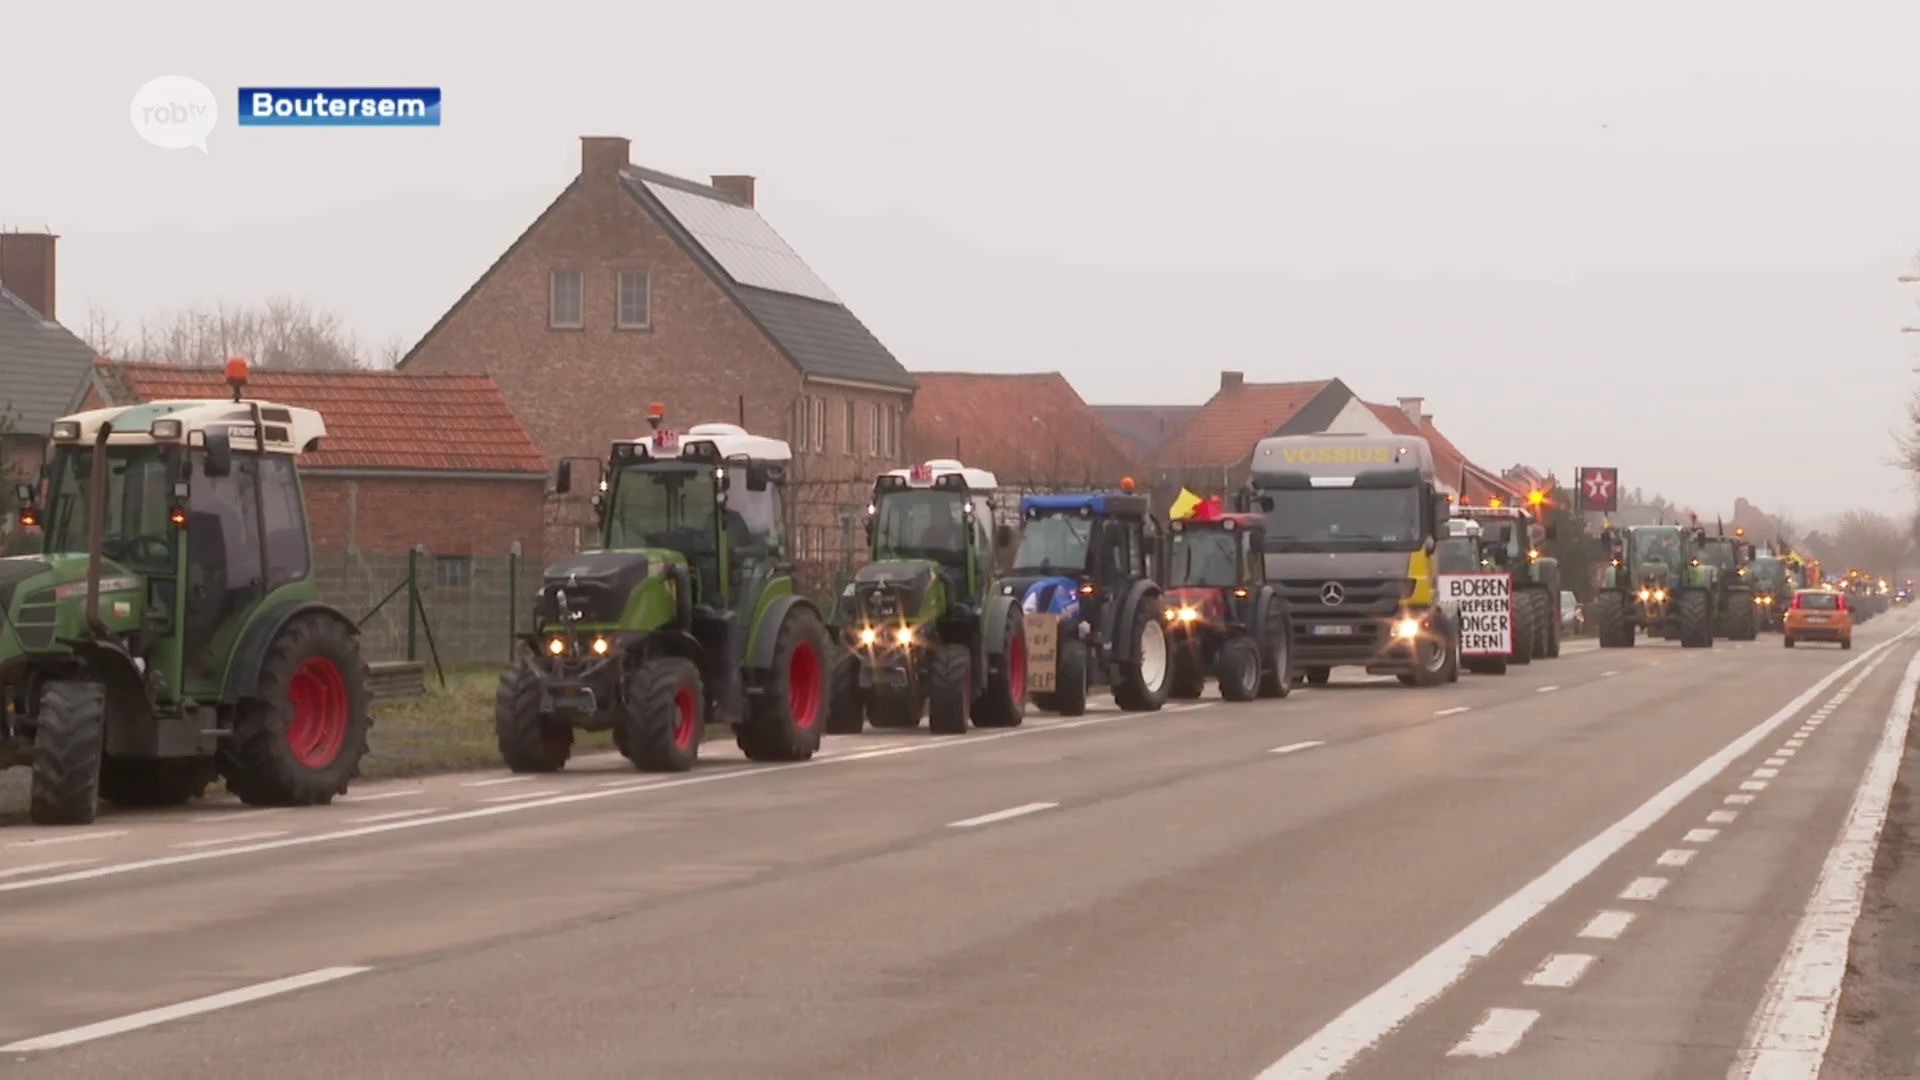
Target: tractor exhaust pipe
(96,528)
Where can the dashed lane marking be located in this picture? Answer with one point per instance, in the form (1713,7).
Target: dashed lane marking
(1607,925)
(1001,815)
(1561,970)
(1676,857)
(1294,748)
(1497,1033)
(1645,888)
(41,868)
(240,839)
(68,838)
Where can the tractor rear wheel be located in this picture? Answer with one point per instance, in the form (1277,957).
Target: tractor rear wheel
(1276,667)
(528,743)
(67,751)
(1522,629)
(1238,669)
(949,686)
(785,720)
(1070,678)
(1004,705)
(301,742)
(1693,614)
(847,715)
(663,715)
(1542,617)
(1610,620)
(1742,621)
(150,782)
(1142,683)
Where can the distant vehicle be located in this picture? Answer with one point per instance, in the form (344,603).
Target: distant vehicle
(1573,618)
(1819,615)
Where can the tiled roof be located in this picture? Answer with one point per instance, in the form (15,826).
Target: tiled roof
(375,419)
(1222,432)
(42,365)
(1448,461)
(1023,428)
(1145,426)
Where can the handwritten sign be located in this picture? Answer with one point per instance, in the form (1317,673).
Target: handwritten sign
(1043,652)
(1481,605)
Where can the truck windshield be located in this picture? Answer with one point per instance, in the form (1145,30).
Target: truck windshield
(1055,544)
(920,525)
(664,506)
(1344,519)
(1204,557)
(136,531)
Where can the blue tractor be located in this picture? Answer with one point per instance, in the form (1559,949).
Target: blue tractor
(1084,576)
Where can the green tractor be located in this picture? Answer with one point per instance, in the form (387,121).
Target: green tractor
(686,614)
(1653,581)
(1735,617)
(1510,538)
(1773,584)
(169,631)
(925,625)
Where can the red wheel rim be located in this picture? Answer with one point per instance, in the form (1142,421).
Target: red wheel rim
(686,717)
(803,685)
(317,695)
(1017,668)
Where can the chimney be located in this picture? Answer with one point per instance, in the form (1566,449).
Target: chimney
(603,155)
(1426,419)
(1410,407)
(740,187)
(26,269)
(1232,380)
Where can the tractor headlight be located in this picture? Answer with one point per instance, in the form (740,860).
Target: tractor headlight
(600,646)
(556,646)
(903,636)
(165,430)
(1659,594)
(867,636)
(1188,614)
(1407,628)
(66,431)
(1646,594)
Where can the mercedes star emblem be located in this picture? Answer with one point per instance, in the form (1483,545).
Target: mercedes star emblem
(1331,594)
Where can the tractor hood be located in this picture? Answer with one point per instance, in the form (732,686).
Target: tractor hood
(599,584)
(44,597)
(16,571)
(893,590)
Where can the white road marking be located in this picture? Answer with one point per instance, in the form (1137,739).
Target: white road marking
(1561,970)
(1646,888)
(1788,1036)
(1676,857)
(1455,711)
(519,795)
(378,795)
(1294,748)
(1795,743)
(234,815)
(1328,1051)
(1753,785)
(497,780)
(1547,689)
(69,838)
(1001,815)
(1776,761)
(139,1020)
(1781,755)
(1607,925)
(1700,836)
(240,839)
(1723,817)
(1498,1032)
(393,815)
(1765,774)
(1741,799)
(37,868)
(1608,674)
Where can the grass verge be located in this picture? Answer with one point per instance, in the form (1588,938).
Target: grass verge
(447,729)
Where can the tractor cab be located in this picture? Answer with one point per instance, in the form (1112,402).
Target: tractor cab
(1213,558)
(1223,618)
(1460,551)
(928,521)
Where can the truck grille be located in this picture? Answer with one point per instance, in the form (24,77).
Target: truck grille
(1357,596)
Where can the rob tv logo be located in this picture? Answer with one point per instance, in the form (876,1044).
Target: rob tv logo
(174,112)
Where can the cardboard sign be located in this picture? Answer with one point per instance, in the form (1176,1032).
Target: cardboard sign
(1043,652)
(1481,605)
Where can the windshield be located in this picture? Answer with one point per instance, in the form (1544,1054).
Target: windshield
(920,525)
(1720,554)
(1335,519)
(137,533)
(1204,557)
(664,506)
(1457,555)
(1656,545)
(1771,573)
(1055,544)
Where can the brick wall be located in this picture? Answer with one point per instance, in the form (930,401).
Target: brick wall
(452,516)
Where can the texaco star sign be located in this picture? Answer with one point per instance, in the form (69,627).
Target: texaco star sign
(1599,489)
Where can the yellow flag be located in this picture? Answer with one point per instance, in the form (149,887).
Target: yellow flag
(1184,505)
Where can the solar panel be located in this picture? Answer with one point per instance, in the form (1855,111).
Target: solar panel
(743,244)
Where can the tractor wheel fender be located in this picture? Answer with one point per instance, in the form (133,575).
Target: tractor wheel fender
(1121,615)
(766,633)
(1000,611)
(243,671)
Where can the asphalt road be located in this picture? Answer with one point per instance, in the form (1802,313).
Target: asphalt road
(1598,866)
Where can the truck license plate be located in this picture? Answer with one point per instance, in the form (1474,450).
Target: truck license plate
(1334,629)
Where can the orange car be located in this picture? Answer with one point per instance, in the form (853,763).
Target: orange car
(1818,615)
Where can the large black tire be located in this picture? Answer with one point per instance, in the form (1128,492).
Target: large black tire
(1553,627)
(1238,668)
(1141,685)
(1787,640)
(1319,676)
(67,751)
(1693,614)
(301,741)
(1610,620)
(949,688)
(1070,677)
(785,721)
(1742,620)
(1435,659)
(152,782)
(664,714)
(528,743)
(1188,679)
(1522,629)
(847,714)
(1276,666)
(1004,705)
(1542,618)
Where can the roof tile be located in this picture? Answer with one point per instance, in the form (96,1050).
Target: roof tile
(375,419)
(1222,432)
(1024,428)
(1448,461)
(42,364)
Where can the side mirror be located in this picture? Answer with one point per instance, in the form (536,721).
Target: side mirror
(600,506)
(1003,536)
(757,478)
(1265,503)
(563,478)
(219,461)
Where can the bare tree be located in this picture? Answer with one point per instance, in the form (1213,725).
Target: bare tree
(283,333)
(1871,541)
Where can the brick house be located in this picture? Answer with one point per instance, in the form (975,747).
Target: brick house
(41,362)
(1213,449)
(1032,431)
(435,461)
(634,286)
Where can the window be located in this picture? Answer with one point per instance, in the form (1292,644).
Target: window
(286,522)
(563,307)
(453,571)
(819,425)
(873,431)
(636,300)
(893,433)
(847,436)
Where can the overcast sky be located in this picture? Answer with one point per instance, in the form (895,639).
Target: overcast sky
(1657,235)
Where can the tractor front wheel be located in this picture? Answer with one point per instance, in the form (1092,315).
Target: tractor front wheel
(1189,677)
(1142,686)
(846,714)
(67,745)
(1610,620)
(949,686)
(1276,666)
(786,718)
(1693,611)
(1542,620)
(663,715)
(1522,629)
(1238,669)
(1742,620)
(528,743)
(1070,677)
(300,743)
(1004,705)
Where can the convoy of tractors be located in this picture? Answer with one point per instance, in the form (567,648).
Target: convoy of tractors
(170,633)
